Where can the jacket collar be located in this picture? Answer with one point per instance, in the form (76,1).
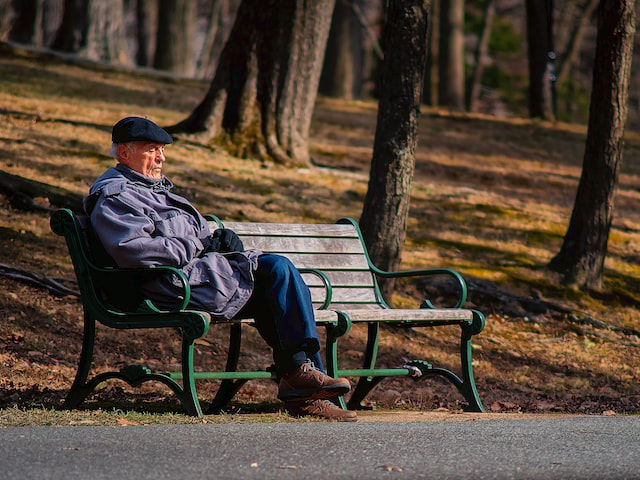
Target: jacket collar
(162,185)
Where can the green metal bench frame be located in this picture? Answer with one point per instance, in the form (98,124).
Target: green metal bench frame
(343,282)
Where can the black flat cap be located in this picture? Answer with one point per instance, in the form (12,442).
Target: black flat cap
(134,129)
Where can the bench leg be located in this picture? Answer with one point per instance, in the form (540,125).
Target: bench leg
(80,389)
(467,385)
(228,388)
(468,388)
(133,375)
(188,395)
(366,384)
(333,332)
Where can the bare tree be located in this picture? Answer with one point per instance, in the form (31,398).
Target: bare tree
(147,29)
(577,17)
(430,82)
(262,96)
(581,258)
(8,17)
(93,29)
(216,33)
(343,46)
(451,80)
(475,82)
(175,39)
(386,205)
(540,44)
(28,21)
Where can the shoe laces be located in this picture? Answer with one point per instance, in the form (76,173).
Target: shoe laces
(308,365)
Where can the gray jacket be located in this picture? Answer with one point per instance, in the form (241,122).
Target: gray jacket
(142,224)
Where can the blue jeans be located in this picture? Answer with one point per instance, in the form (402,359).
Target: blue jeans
(283,313)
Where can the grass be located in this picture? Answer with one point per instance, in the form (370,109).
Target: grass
(491,197)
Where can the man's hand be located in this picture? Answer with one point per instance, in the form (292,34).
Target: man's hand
(222,240)
(210,244)
(229,240)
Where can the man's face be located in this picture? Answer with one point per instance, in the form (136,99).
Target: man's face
(146,158)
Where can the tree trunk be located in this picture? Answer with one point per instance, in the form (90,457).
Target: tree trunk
(261,99)
(573,43)
(430,81)
(475,83)
(337,78)
(175,40)
(53,12)
(31,195)
(539,41)
(27,25)
(213,39)
(581,258)
(8,17)
(386,204)
(451,55)
(147,28)
(94,29)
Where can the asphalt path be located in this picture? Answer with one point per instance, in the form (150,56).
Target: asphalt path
(582,447)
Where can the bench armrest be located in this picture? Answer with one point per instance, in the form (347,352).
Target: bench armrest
(186,288)
(430,272)
(147,305)
(327,285)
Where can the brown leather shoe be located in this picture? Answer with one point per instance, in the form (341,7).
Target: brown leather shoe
(308,383)
(320,408)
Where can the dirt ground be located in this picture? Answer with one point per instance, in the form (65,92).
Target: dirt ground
(491,197)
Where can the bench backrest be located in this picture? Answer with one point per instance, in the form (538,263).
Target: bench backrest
(337,250)
(101,292)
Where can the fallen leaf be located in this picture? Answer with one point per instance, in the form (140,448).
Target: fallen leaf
(390,468)
(125,422)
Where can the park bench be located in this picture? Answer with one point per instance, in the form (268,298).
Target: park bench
(343,282)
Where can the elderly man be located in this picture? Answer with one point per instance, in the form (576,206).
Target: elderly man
(141,223)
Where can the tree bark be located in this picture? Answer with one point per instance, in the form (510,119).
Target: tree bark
(261,99)
(430,80)
(451,55)
(573,43)
(93,29)
(27,25)
(147,29)
(581,258)
(214,38)
(539,42)
(30,195)
(386,204)
(175,46)
(337,79)
(475,83)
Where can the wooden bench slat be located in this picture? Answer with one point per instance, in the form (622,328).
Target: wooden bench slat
(328,261)
(345,295)
(419,314)
(304,244)
(352,278)
(290,229)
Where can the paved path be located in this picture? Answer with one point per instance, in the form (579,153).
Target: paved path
(446,447)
